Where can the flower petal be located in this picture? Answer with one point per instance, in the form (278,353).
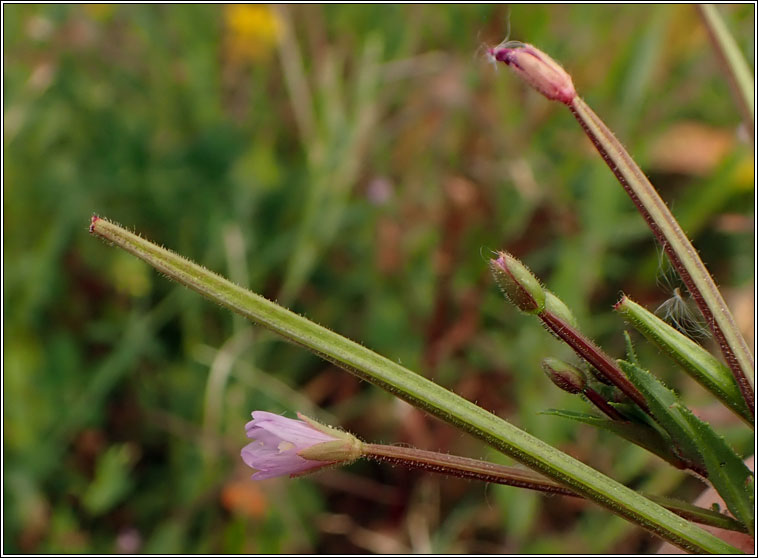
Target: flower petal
(299,433)
(276,443)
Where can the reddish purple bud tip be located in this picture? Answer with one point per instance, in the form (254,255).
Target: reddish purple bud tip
(95,218)
(518,284)
(537,69)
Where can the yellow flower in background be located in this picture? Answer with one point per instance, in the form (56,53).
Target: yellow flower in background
(101,12)
(744,174)
(252,31)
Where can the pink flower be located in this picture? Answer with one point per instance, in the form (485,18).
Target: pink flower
(283,446)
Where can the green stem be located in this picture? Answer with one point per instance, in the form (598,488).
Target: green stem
(420,392)
(475,469)
(670,235)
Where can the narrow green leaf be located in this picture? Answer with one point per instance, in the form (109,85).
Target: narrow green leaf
(661,399)
(726,471)
(705,368)
(631,355)
(654,441)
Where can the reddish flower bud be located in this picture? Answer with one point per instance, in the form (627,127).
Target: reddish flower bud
(537,69)
(567,377)
(518,284)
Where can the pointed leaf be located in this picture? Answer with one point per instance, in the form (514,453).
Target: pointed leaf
(726,471)
(705,368)
(631,355)
(655,442)
(661,399)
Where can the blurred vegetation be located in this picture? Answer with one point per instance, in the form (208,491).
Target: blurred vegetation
(357,163)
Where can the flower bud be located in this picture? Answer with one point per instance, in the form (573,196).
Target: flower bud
(518,284)
(537,69)
(567,377)
(557,307)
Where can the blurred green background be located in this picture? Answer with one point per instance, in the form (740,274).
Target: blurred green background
(357,164)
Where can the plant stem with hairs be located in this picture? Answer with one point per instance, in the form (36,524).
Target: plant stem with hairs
(420,392)
(549,78)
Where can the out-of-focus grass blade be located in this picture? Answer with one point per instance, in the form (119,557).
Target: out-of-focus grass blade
(740,76)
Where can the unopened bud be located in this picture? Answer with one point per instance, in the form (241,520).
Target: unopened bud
(518,284)
(567,377)
(537,69)
(558,308)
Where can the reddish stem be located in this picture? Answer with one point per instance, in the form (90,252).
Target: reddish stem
(593,354)
(463,467)
(726,349)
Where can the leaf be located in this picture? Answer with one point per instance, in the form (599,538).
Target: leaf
(630,353)
(660,399)
(727,472)
(701,365)
(648,438)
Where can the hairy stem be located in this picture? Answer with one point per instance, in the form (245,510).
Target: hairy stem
(679,249)
(593,354)
(485,471)
(599,401)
